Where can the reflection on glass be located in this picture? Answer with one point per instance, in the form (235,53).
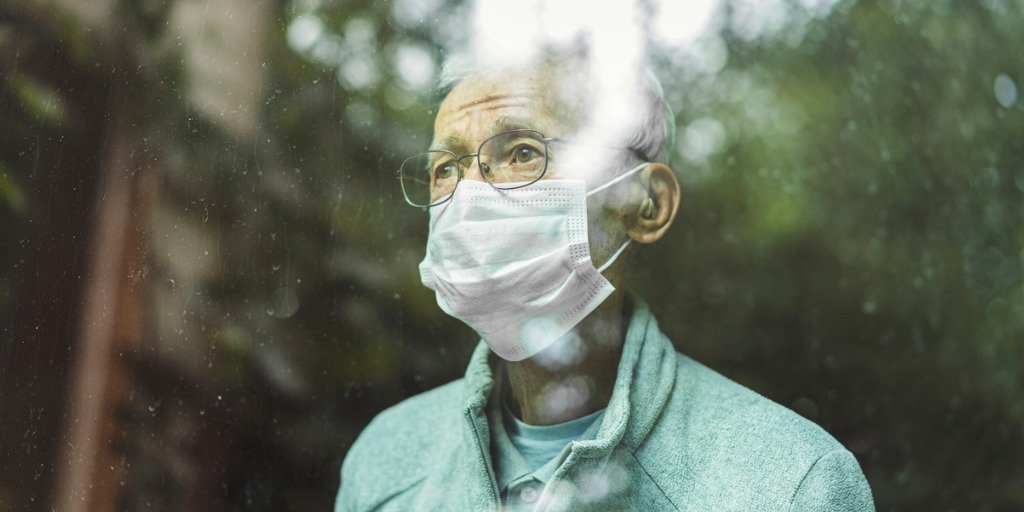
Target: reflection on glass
(203,270)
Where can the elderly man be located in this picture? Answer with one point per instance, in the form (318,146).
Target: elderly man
(574,400)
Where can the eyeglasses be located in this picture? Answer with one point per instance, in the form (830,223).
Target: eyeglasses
(508,160)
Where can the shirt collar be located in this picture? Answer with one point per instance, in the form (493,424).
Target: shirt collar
(510,466)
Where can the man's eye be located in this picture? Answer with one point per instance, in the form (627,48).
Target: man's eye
(444,171)
(522,154)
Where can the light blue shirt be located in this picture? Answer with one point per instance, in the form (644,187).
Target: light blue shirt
(540,443)
(526,456)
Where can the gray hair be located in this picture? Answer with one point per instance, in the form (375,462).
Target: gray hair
(652,133)
(656,131)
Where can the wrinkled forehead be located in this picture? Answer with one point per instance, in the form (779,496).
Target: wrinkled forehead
(489,103)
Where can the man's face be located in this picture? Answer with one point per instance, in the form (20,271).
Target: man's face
(481,107)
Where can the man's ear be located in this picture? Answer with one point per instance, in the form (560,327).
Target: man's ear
(655,213)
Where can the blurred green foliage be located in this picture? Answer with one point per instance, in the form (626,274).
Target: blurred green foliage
(850,243)
(863,249)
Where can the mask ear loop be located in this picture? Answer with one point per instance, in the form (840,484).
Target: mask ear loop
(625,244)
(614,256)
(618,179)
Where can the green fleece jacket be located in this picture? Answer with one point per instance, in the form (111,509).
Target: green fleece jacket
(675,436)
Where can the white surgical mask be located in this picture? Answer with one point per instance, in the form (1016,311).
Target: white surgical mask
(515,265)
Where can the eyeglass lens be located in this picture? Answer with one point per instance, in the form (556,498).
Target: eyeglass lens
(507,160)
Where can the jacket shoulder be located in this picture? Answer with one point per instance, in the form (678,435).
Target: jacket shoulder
(719,442)
(743,415)
(395,451)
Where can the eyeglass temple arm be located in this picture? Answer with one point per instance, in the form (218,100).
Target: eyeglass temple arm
(640,154)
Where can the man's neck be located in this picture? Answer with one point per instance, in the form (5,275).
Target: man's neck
(576,375)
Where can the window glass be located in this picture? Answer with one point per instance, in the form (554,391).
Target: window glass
(209,276)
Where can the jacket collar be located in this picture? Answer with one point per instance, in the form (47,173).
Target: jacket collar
(643,384)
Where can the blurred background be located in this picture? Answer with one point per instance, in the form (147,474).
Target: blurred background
(208,280)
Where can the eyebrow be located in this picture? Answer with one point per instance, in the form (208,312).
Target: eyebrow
(506,124)
(447,143)
(501,125)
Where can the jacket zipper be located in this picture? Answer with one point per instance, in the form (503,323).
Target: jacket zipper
(484,459)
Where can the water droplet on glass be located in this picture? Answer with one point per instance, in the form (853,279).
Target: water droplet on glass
(1005,90)
(285,303)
